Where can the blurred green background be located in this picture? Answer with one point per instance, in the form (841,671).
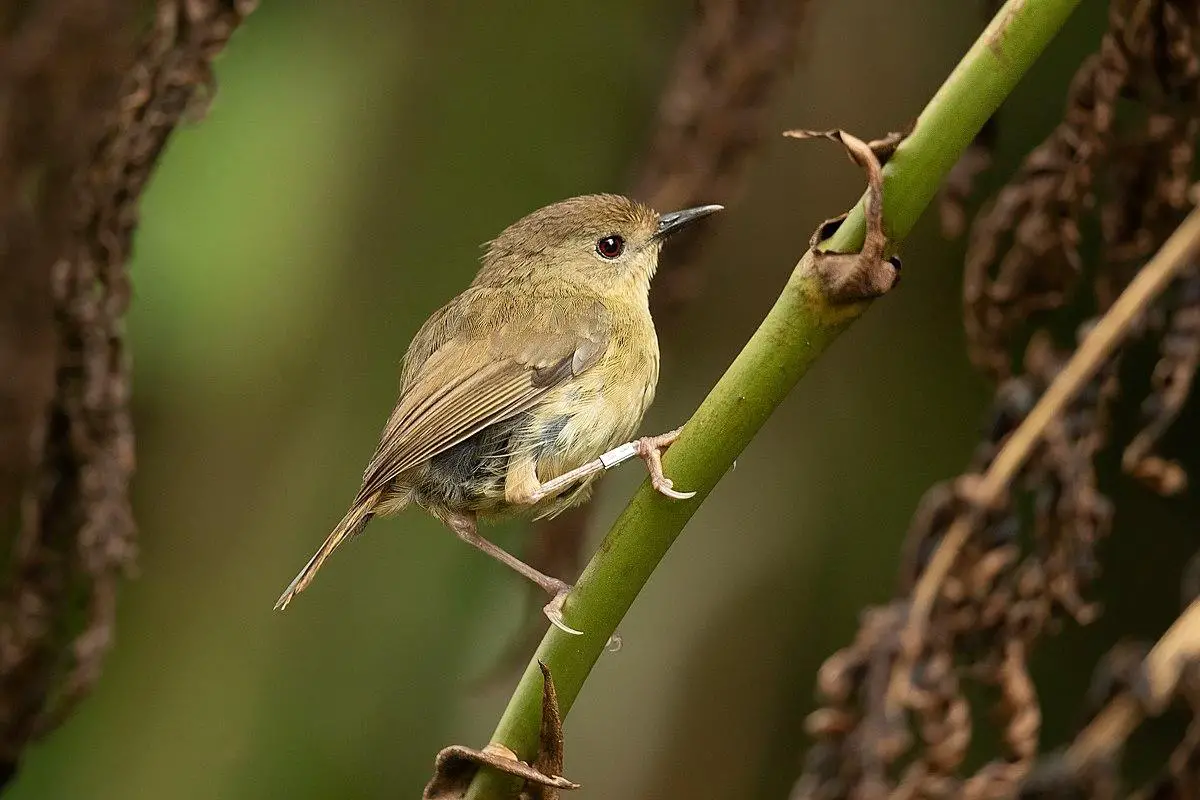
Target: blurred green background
(354,159)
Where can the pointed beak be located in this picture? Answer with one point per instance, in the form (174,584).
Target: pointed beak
(675,220)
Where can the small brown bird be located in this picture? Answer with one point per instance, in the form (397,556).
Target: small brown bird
(514,394)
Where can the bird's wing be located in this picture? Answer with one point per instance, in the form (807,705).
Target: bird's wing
(481,374)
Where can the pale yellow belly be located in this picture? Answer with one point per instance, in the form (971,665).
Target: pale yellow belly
(599,417)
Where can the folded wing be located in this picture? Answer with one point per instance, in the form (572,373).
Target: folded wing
(480,375)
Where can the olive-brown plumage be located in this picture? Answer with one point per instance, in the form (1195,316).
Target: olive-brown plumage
(546,361)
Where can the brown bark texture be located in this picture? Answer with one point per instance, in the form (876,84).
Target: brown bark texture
(89,92)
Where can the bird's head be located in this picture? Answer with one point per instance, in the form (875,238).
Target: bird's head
(603,243)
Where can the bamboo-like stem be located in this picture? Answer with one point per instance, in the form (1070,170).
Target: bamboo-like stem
(984,77)
(798,328)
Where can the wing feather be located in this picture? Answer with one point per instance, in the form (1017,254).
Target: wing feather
(473,380)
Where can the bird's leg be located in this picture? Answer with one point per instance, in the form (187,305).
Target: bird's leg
(464,526)
(648,448)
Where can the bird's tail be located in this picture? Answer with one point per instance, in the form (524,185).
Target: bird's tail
(358,516)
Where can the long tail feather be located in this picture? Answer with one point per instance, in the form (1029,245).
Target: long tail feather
(358,516)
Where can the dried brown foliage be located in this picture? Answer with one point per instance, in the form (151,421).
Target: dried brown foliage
(85,112)
(455,766)
(712,116)
(895,720)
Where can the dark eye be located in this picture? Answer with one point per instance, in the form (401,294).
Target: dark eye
(610,247)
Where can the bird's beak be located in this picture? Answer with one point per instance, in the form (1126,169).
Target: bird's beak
(675,220)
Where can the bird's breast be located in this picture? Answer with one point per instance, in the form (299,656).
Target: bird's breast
(597,410)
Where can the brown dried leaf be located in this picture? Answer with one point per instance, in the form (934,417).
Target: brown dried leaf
(456,765)
(549,759)
(856,277)
(1023,252)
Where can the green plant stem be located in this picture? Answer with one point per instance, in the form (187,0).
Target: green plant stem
(798,328)
(984,77)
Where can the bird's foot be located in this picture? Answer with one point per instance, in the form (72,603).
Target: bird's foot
(554,609)
(650,450)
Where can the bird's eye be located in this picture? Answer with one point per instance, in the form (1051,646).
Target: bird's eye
(610,247)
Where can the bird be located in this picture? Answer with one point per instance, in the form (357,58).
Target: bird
(516,394)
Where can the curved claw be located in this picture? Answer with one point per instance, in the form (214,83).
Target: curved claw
(556,619)
(665,486)
(553,612)
(670,492)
